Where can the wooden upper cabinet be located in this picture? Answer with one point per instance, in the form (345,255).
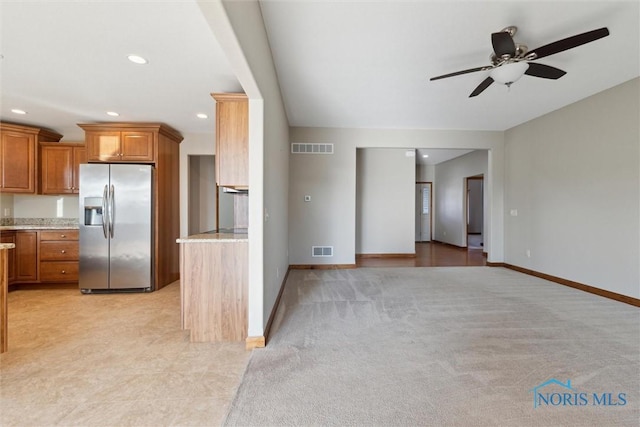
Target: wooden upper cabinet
(18,156)
(60,167)
(232,140)
(103,146)
(79,157)
(137,146)
(125,142)
(125,146)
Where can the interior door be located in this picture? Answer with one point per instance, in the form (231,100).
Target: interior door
(423,212)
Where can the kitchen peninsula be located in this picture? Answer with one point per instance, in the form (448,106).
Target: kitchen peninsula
(4,266)
(214,266)
(214,273)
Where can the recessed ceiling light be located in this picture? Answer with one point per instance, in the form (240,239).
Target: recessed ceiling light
(425,155)
(113,113)
(201,116)
(136,59)
(17,111)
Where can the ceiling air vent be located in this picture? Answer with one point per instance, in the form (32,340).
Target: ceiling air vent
(325,251)
(297,148)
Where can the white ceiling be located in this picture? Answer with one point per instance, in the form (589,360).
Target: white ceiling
(367,64)
(437,155)
(66,63)
(340,64)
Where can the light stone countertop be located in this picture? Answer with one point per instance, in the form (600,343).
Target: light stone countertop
(7,246)
(214,238)
(8,224)
(37,227)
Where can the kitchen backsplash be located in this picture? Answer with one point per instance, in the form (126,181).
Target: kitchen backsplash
(38,206)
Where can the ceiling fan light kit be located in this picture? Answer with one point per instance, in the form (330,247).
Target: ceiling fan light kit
(510,60)
(509,73)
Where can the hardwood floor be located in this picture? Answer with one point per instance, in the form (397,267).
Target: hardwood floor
(430,254)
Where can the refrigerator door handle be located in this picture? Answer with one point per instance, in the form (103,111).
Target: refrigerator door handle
(105,212)
(112,210)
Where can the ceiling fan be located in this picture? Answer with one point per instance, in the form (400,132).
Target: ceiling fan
(510,60)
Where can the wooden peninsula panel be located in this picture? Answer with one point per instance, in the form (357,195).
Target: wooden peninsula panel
(4,284)
(214,288)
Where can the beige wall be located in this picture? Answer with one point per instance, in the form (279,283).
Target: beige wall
(333,178)
(573,177)
(239,29)
(6,202)
(192,145)
(450,199)
(385,201)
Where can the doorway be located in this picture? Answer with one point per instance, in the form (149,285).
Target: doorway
(206,209)
(475,212)
(423,211)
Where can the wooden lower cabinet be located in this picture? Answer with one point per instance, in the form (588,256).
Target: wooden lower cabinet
(26,256)
(59,255)
(43,256)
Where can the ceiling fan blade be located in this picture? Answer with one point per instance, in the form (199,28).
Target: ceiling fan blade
(544,71)
(503,44)
(457,73)
(569,42)
(482,86)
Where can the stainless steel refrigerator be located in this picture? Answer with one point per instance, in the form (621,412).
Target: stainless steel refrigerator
(116,247)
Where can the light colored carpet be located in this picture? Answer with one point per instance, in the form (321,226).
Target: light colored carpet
(438,346)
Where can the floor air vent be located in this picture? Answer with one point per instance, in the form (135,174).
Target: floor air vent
(297,148)
(322,251)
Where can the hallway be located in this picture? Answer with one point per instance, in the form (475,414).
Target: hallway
(430,254)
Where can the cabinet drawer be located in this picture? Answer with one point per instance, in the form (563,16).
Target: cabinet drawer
(59,250)
(59,235)
(59,271)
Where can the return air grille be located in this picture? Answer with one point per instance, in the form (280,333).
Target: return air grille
(297,148)
(325,251)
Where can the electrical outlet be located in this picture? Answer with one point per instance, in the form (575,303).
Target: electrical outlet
(7,212)
(277,272)
(528,253)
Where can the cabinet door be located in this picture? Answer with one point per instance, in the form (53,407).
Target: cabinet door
(10,237)
(232,153)
(18,162)
(137,146)
(103,146)
(26,256)
(79,157)
(57,170)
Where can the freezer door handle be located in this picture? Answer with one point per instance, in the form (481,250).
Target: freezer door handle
(112,210)
(105,214)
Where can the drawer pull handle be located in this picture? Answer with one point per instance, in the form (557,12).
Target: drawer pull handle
(63,272)
(63,251)
(63,236)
